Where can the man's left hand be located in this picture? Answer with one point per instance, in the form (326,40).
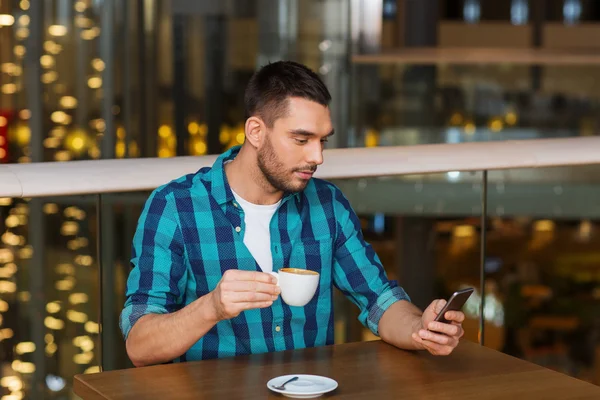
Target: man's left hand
(439,338)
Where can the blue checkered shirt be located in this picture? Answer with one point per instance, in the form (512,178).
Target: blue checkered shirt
(191,231)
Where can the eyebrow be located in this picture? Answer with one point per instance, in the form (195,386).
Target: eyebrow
(302,132)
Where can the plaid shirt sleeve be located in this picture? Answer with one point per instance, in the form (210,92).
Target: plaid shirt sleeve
(358,272)
(156,284)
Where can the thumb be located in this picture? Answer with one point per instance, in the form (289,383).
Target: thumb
(439,306)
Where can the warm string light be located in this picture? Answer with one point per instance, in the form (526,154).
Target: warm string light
(14,248)
(229,136)
(76,300)
(70,142)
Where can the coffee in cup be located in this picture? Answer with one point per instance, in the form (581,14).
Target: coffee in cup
(298,286)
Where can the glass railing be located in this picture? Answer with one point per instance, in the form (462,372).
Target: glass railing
(528,248)
(411,96)
(49,295)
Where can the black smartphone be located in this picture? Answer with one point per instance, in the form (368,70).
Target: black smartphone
(455,303)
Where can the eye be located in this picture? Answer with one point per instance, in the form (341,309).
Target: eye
(325,140)
(301,141)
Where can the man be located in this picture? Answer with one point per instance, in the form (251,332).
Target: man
(200,287)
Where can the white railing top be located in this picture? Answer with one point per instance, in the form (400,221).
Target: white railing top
(110,176)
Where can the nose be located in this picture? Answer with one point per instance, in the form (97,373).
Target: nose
(314,153)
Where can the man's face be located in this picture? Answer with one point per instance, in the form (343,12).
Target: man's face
(293,147)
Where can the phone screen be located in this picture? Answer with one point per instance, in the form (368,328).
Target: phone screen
(455,303)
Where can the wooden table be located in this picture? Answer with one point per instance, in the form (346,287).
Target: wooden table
(366,370)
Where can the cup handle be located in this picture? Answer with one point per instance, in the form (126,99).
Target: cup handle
(276,275)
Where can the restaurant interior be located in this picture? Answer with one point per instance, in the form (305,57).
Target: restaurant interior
(104,79)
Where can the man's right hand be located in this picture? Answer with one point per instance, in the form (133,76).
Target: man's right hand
(243,290)
(158,338)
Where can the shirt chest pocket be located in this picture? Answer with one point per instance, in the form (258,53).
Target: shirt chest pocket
(311,254)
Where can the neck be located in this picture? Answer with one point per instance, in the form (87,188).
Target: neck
(247,180)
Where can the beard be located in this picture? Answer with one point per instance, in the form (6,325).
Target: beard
(275,172)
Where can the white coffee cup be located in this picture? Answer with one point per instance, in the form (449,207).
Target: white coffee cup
(298,286)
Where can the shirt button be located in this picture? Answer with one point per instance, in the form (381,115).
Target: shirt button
(238,229)
(277,328)
(235,205)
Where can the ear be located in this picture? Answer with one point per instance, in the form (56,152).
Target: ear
(255,130)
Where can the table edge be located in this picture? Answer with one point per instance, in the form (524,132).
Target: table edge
(82,389)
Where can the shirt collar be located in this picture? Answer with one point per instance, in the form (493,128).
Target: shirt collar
(220,189)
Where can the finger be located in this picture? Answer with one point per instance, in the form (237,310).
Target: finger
(446,329)
(254,305)
(443,340)
(461,330)
(433,348)
(256,286)
(417,339)
(249,297)
(455,316)
(238,275)
(264,277)
(437,349)
(251,286)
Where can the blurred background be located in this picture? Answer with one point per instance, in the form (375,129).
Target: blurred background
(105,79)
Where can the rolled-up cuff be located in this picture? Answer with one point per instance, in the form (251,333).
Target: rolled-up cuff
(384,301)
(132,312)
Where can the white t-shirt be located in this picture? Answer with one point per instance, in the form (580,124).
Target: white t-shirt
(257,236)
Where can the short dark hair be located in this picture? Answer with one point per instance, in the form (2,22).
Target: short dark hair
(271,86)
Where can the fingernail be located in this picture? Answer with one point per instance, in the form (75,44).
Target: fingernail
(274,298)
(422,334)
(432,326)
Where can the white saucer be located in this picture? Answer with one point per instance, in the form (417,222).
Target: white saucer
(306,387)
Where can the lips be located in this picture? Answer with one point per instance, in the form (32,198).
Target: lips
(305,174)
